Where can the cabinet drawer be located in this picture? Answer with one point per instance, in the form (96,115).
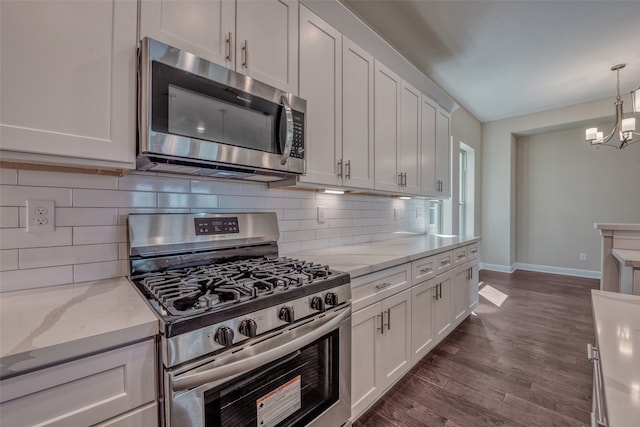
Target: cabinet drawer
(472,251)
(423,269)
(459,256)
(84,391)
(375,287)
(443,262)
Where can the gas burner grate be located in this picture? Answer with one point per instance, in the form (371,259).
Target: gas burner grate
(196,289)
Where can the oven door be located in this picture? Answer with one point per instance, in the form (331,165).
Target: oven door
(296,377)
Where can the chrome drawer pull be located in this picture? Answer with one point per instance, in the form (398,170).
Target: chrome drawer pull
(383,285)
(426,270)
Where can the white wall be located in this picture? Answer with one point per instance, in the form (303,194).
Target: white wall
(90,240)
(499,211)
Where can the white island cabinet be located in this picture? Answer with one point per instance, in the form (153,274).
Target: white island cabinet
(67,78)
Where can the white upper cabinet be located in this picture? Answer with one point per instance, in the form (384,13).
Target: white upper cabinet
(429,114)
(202,27)
(409,145)
(321,86)
(387,128)
(357,116)
(443,154)
(267,42)
(256,38)
(67,78)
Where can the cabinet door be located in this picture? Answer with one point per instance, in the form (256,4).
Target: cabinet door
(365,349)
(442,307)
(459,291)
(67,78)
(443,153)
(409,145)
(202,27)
(387,128)
(267,42)
(396,338)
(428,115)
(422,333)
(472,296)
(321,86)
(357,115)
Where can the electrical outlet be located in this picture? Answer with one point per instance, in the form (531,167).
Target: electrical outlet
(40,216)
(583,256)
(322,214)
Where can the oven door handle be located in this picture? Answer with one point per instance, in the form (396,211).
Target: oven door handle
(225,372)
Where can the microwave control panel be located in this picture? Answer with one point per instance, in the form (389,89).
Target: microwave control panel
(297,147)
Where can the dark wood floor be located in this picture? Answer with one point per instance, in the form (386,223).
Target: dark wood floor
(521,364)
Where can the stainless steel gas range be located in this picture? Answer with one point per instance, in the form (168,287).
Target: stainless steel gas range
(247,338)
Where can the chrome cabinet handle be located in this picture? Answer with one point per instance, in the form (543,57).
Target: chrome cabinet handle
(388,319)
(426,270)
(245,54)
(348,169)
(254,356)
(381,328)
(227,47)
(383,285)
(400,179)
(289,137)
(440,290)
(443,263)
(340,168)
(461,256)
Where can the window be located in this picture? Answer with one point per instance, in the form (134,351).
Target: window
(435,217)
(466,191)
(462,209)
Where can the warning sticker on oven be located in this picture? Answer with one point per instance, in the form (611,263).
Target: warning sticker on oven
(278,404)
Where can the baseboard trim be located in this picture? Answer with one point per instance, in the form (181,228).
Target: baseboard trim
(558,270)
(497,267)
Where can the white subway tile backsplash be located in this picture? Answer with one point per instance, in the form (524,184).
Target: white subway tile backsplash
(67,217)
(90,241)
(16,280)
(113,199)
(100,234)
(9,259)
(140,182)
(9,217)
(99,271)
(235,202)
(68,180)
(67,255)
(18,238)
(14,195)
(8,176)
(175,200)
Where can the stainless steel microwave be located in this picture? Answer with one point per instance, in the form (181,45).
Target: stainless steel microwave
(199,118)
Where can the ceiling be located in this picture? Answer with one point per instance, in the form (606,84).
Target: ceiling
(501,59)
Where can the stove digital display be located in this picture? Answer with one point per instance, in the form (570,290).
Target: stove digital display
(213,226)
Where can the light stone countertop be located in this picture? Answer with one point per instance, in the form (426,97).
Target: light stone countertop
(365,258)
(627,257)
(40,327)
(617,322)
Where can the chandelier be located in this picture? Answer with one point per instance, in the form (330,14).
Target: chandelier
(625,128)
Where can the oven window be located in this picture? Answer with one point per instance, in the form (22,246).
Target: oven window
(291,391)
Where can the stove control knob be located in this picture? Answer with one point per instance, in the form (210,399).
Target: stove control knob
(331,298)
(224,336)
(249,328)
(317,303)
(286,314)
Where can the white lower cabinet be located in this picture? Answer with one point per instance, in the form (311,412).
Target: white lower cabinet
(381,335)
(401,313)
(115,388)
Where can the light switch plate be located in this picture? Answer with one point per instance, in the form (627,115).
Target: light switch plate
(322,214)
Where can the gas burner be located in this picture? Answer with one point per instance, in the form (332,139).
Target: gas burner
(215,286)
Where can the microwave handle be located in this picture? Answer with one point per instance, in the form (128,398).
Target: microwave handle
(288,141)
